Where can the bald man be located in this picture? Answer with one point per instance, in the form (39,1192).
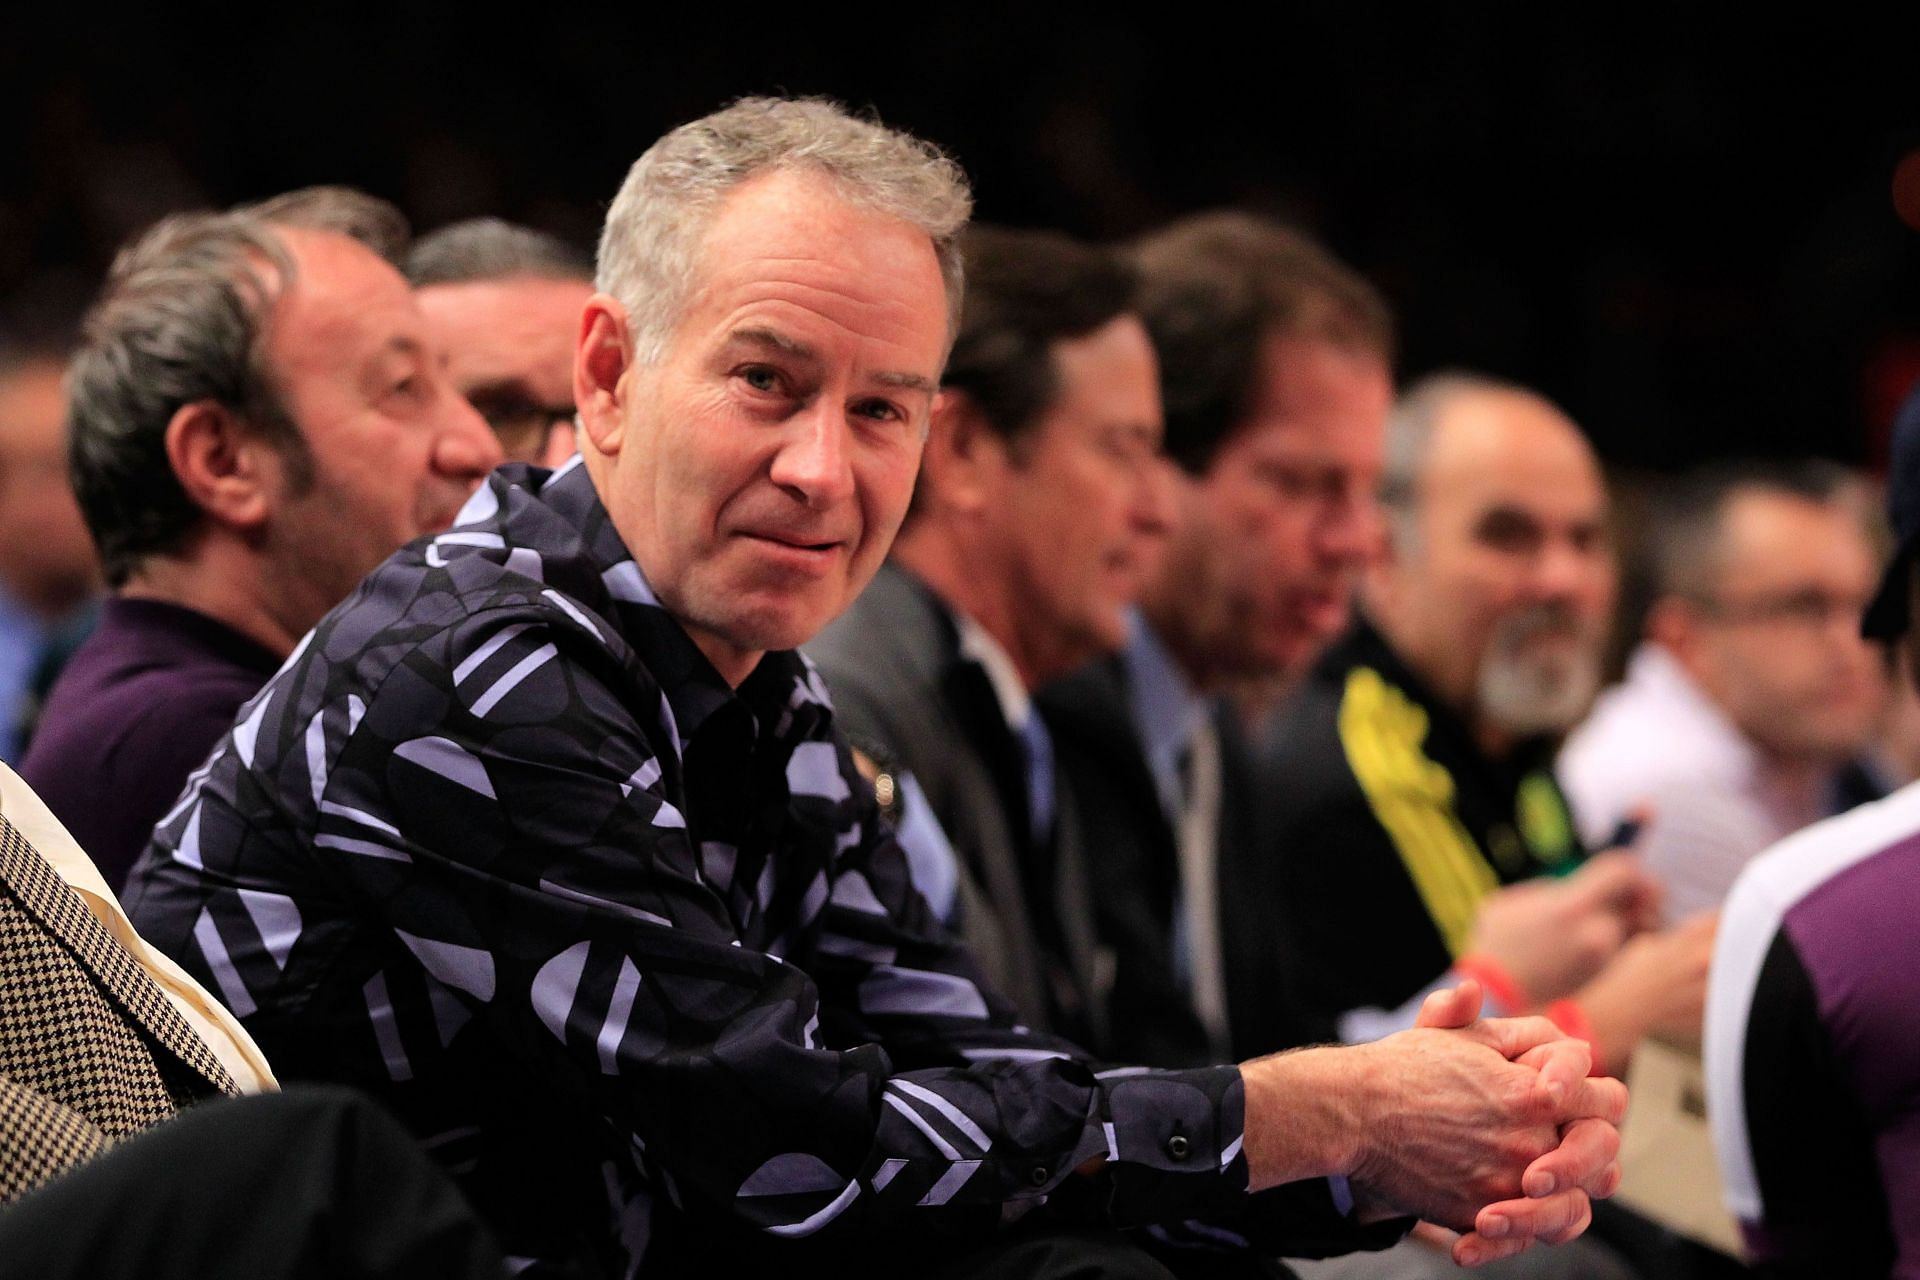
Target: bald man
(1418,824)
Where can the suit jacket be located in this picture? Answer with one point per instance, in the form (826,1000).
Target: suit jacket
(903,692)
(1136,891)
(91,1047)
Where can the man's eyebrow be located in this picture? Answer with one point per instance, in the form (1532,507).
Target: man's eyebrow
(756,336)
(906,381)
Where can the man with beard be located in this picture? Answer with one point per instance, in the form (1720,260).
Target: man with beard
(1753,691)
(1412,774)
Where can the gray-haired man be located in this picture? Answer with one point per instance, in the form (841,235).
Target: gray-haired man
(548,838)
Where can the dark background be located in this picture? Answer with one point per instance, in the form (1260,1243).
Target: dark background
(1681,226)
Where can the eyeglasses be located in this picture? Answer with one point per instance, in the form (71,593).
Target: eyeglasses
(1808,607)
(519,422)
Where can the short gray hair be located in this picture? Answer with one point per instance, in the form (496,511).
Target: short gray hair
(490,249)
(180,319)
(649,249)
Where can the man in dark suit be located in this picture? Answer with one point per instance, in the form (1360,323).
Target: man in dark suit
(1037,513)
(1275,365)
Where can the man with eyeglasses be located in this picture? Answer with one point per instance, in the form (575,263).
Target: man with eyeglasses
(504,302)
(1752,691)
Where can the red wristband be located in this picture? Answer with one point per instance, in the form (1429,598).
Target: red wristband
(1493,976)
(1572,1019)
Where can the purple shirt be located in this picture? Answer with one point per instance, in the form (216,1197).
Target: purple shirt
(139,707)
(1812,1021)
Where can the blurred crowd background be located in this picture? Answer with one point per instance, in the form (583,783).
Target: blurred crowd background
(1684,227)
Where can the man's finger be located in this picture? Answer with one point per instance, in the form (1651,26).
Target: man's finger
(1563,1066)
(1615,880)
(1451,1007)
(1597,1098)
(1553,1219)
(1475,1250)
(1584,1161)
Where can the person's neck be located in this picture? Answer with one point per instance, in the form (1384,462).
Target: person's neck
(960,577)
(1178,630)
(50,601)
(222,581)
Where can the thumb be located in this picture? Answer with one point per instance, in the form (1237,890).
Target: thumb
(1451,1007)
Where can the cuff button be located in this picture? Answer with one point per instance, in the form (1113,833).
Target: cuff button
(1038,1175)
(1178,1147)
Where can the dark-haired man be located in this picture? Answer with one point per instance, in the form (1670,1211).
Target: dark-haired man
(1037,513)
(504,303)
(1753,691)
(258,417)
(1813,1088)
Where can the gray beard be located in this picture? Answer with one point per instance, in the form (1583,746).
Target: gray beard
(1526,693)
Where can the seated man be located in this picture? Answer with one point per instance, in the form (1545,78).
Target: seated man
(1036,509)
(504,303)
(1812,1077)
(1412,774)
(1753,691)
(548,837)
(1275,450)
(258,417)
(49,575)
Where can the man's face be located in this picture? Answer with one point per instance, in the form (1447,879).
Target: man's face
(46,555)
(1079,510)
(1499,589)
(509,346)
(760,469)
(1778,644)
(1270,540)
(395,450)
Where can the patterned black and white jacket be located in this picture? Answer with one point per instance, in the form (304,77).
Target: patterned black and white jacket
(631,951)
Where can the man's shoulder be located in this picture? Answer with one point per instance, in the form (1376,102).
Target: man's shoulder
(1843,873)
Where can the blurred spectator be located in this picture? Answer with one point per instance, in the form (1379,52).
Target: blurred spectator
(1412,773)
(48,571)
(1753,690)
(1275,360)
(1037,510)
(504,303)
(259,416)
(1813,1083)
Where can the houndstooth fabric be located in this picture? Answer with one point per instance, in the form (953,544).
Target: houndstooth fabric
(81,1025)
(41,1139)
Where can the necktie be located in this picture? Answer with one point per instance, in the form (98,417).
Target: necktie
(1037,745)
(1198,837)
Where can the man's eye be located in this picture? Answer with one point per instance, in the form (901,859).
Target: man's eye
(407,387)
(761,378)
(879,410)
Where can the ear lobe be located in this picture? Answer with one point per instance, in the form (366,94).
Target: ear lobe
(602,364)
(225,469)
(963,455)
(1671,623)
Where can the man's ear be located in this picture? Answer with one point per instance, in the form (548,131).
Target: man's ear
(602,365)
(1674,624)
(227,471)
(964,455)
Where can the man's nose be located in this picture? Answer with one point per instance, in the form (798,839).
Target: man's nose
(1152,507)
(813,462)
(1353,531)
(464,446)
